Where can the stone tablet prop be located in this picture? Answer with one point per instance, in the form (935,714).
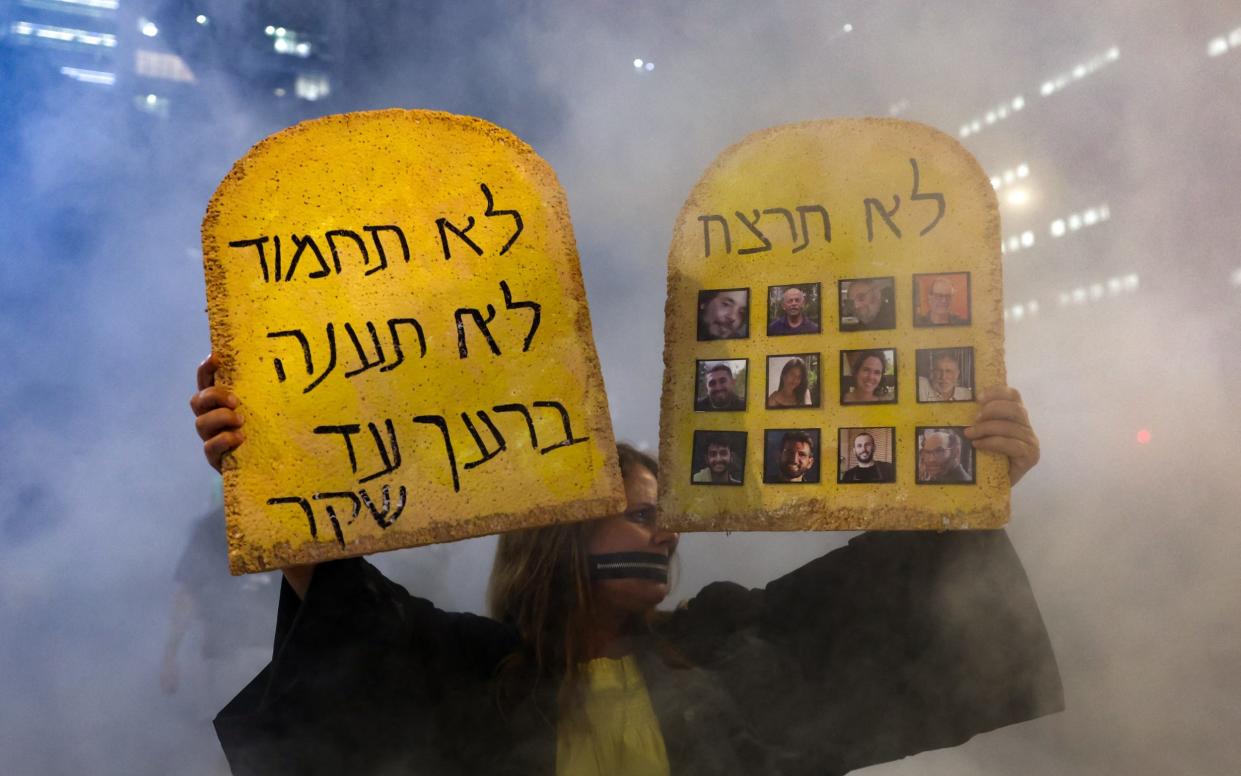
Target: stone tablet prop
(395,296)
(834,306)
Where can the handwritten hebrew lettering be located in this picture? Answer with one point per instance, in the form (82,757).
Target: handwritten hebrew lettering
(396,341)
(301,241)
(480,322)
(301,339)
(384,288)
(569,439)
(837,229)
(492,212)
(802,210)
(336,240)
(706,234)
(484,432)
(753,227)
(535,308)
(871,203)
(917,196)
(368,357)
(346,431)
(331,511)
(391,462)
(306,354)
(525,413)
(306,508)
(258,244)
(379,246)
(486,455)
(439,422)
(787,217)
(385,515)
(444,223)
(331,236)
(363,357)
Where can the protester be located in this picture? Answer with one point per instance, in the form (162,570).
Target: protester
(859,657)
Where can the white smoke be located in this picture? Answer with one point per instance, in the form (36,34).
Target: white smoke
(1131,548)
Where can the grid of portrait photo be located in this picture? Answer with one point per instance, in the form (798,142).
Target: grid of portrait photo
(788,378)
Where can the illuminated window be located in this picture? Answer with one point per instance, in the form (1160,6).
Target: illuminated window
(311,87)
(1079,71)
(50,33)
(169,67)
(1081,220)
(89,76)
(992,115)
(292,43)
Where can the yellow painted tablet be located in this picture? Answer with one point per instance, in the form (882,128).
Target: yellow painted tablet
(396,298)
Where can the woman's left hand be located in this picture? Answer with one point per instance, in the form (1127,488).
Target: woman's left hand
(1003,426)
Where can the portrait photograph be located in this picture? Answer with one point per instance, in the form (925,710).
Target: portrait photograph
(868,376)
(791,456)
(721,385)
(867,304)
(942,299)
(724,314)
(794,309)
(944,456)
(866,455)
(718,458)
(945,374)
(793,381)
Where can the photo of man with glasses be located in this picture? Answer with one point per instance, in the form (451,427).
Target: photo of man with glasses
(942,300)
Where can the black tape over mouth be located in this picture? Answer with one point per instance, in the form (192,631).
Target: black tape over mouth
(629,565)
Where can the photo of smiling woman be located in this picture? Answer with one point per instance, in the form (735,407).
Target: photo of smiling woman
(793,381)
(867,376)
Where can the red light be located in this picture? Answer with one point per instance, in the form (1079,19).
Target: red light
(1144,436)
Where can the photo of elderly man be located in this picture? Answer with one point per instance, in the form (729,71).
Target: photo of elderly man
(942,299)
(945,374)
(866,304)
(945,457)
(793,310)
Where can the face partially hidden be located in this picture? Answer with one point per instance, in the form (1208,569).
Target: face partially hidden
(720,386)
(792,303)
(633,531)
(796,458)
(725,314)
(936,456)
(866,300)
(719,458)
(939,299)
(864,449)
(944,375)
(869,374)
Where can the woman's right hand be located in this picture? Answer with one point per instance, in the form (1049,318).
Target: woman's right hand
(216,416)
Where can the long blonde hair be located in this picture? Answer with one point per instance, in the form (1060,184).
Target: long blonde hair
(540,584)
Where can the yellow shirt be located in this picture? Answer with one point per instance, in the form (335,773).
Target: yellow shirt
(621,736)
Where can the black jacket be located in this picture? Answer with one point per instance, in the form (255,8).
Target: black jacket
(895,644)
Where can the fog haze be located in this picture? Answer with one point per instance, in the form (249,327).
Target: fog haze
(1127,360)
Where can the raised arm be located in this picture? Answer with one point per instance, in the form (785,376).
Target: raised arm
(1003,426)
(898,643)
(218,419)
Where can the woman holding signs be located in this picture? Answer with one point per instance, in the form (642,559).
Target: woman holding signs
(847,661)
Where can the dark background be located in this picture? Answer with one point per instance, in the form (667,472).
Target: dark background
(1122,334)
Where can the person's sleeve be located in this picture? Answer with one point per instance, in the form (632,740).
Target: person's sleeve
(897,643)
(354,659)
